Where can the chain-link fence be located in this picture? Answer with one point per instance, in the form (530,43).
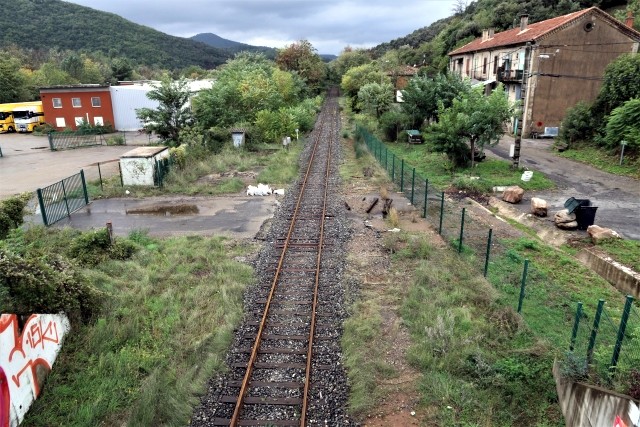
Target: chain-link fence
(534,291)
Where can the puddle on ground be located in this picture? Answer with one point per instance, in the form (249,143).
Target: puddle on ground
(165,210)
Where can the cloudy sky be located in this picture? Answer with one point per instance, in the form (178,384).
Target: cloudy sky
(329,25)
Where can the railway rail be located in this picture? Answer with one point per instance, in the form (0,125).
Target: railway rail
(285,365)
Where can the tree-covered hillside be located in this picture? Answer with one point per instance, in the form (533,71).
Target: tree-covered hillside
(231,46)
(46,24)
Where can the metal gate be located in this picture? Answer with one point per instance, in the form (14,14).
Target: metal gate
(61,199)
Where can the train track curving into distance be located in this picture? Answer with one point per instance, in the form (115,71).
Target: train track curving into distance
(285,367)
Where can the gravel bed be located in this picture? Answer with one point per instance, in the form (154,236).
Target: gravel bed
(329,388)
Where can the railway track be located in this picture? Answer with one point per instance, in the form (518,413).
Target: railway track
(285,366)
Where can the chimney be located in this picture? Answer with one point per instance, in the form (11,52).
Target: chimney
(491,32)
(485,35)
(524,20)
(629,21)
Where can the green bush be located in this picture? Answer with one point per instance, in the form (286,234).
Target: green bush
(45,284)
(92,248)
(392,123)
(624,125)
(577,125)
(12,212)
(116,140)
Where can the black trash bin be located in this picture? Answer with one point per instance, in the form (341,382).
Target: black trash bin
(585,216)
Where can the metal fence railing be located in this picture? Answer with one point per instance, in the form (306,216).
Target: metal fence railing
(67,140)
(61,199)
(531,288)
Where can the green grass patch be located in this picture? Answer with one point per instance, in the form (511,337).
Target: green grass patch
(437,168)
(168,319)
(480,363)
(626,252)
(604,160)
(274,166)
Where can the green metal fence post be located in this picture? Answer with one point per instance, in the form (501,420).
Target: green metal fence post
(576,324)
(523,284)
(393,167)
(84,187)
(100,175)
(461,230)
(51,141)
(621,330)
(402,176)
(66,202)
(43,210)
(441,213)
(488,253)
(426,191)
(594,331)
(413,184)
(386,160)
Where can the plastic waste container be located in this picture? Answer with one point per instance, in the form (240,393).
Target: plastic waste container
(572,203)
(585,216)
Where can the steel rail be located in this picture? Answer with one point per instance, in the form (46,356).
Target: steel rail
(307,382)
(254,352)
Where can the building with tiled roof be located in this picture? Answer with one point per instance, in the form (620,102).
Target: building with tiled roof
(548,66)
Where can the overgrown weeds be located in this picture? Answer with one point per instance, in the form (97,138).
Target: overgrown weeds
(166,321)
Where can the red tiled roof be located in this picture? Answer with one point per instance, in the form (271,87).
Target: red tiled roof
(532,32)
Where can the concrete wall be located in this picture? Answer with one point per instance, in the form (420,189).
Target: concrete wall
(623,278)
(567,67)
(26,357)
(589,406)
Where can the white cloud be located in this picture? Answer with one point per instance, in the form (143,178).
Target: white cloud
(329,25)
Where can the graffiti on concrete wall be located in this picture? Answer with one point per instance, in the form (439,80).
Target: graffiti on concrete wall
(26,357)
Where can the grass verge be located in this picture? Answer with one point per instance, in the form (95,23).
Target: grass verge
(491,172)
(214,174)
(168,319)
(604,160)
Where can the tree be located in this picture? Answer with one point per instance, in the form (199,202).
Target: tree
(624,125)
(348,59)
(302,58)
(359,76)
(12,82)
(621,82)
(121,69)
(375,98)
(423,95)
(172,113)
(472,119)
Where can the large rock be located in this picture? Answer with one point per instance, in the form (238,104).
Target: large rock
(539,207)
(565,220)
(513,194)
(599,234)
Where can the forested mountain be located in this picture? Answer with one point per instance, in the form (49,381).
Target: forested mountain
(232,46)
(45,24)
(429,45)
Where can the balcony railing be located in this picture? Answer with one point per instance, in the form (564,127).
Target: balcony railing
(510,75)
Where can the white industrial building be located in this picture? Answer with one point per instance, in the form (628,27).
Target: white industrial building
(127,97)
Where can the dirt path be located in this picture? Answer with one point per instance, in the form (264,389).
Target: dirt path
(617,198)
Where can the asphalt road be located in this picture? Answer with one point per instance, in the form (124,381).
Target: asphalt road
(617,198)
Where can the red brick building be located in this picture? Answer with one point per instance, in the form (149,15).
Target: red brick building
(69,106)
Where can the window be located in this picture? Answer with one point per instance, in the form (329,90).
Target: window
(98,121)
(57,102)
(60,122)
(95,101)
(484,66)
(495,64)
(79,121)
(76,102)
